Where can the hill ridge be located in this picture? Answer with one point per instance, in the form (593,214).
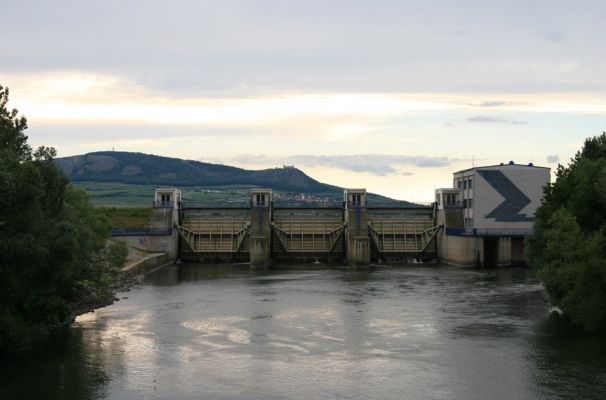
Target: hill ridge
(150,169)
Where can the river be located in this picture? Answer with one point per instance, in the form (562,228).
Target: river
(317,332)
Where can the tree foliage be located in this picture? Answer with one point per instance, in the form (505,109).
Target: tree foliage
(52,241)
(568,247)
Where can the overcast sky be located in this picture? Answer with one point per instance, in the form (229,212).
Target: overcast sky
(389,95)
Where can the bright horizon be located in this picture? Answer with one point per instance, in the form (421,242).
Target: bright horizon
(390,96)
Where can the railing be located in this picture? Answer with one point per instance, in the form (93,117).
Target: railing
(356,204)
(499,232)
(305,204)
(163,204)
(209,204)
(396,204)
(142,232)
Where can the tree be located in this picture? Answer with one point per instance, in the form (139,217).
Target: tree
(52,241)
(568,247)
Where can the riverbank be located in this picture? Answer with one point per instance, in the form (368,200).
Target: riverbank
(131,274)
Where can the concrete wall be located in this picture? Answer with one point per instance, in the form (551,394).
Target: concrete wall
(523,185)
(153,244)
(260,227)
(517,251)
(459,250)
(467,250)
(147,264)
(357,241)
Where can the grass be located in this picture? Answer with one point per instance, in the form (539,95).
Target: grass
(128,217)
(123,195)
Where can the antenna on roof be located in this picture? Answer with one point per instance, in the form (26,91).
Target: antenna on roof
(473,162)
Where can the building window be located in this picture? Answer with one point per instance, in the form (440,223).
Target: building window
(260,200)
(469,184)
(464,203)
(356,200)
(470,203)
(460,184)
(465,184)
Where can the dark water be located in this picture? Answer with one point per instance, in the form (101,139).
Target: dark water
(228,332)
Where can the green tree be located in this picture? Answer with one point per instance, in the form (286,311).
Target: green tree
(568,247)
(52,241)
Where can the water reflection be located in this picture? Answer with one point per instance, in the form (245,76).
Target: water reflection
(235,332)
(71,367)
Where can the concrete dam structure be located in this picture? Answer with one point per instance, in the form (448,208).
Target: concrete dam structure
(481,221)
(263,231)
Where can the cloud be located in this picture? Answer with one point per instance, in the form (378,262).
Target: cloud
(492,103)
(474,48)
(553,158)
(552,36)
(376,164)
(495,120)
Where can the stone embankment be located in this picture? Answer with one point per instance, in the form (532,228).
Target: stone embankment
(139,263)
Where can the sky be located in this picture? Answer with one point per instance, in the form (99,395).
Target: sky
(392,96)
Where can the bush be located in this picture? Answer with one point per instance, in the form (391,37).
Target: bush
(568,247)
(51,239)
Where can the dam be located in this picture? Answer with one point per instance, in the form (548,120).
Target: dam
(355,231)
(481,221)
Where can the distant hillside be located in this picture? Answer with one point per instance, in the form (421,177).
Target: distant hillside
(147,169)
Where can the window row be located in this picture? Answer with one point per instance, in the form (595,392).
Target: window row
(465,184)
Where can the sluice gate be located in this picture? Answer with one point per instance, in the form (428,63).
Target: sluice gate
(214,232)
(398,233)
(355,231)
(307,233)
(402,236)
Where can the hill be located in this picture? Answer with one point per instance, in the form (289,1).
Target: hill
(147,169)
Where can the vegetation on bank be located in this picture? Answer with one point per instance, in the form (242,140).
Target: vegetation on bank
(53,251)
(568,247)
(128,217)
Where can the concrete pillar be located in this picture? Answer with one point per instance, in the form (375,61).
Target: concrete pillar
(260,227)
(165,216)
(357,242)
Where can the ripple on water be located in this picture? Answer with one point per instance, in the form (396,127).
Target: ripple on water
(384,333)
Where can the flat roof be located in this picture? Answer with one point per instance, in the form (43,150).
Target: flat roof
(501,165)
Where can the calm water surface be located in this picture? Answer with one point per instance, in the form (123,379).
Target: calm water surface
(315,332)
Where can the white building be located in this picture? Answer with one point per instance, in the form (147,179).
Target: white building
(488,212)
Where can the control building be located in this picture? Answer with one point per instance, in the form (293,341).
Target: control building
(487,214)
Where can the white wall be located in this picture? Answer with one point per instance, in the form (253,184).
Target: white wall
(529,180)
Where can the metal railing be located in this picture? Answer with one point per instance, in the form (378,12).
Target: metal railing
(306,204)
(396,204)
(163,204)
(499,231)
(215,204)
(142,232)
